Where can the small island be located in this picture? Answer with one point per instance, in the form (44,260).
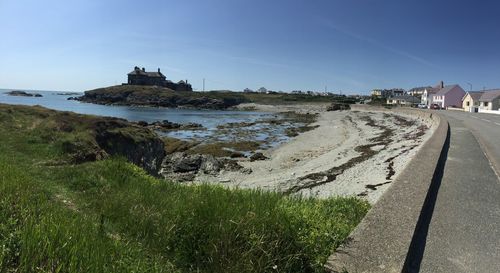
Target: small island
(22,94)
(145,88)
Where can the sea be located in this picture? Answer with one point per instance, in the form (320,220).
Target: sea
(210,119)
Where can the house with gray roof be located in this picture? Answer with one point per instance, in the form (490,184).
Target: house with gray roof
(406,100)
(490,101)
(449,96)
(470,102)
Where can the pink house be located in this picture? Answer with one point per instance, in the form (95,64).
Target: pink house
(450,95)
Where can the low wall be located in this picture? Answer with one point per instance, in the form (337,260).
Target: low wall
(489,111)
(387,238)
(455,109)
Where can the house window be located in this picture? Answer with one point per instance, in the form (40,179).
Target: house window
(467,103)
(485,104)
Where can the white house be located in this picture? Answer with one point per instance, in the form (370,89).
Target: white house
(427,95)
(489,102)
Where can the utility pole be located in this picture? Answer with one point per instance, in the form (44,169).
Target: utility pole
(203,84)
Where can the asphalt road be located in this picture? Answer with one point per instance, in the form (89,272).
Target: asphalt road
(486,129)
(464,231)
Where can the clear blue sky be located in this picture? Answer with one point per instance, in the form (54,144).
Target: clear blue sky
(348,45)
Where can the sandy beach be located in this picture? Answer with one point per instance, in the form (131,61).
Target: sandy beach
(351,153)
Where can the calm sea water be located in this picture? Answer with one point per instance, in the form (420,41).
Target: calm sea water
(210,119)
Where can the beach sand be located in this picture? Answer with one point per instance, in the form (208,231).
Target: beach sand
(351,153)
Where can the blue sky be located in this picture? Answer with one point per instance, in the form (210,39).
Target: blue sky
(347,45)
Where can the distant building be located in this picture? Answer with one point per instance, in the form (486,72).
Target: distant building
(141,77)
(418,91)
(386,93)
(403,100)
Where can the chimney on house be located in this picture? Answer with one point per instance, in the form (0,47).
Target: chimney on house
(158,70)
(136,68)
(441,84)
(143,70)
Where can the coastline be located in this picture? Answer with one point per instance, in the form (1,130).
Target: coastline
(350,153)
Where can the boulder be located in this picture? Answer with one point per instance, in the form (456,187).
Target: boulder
(210,165)
(338,106)
(258,156)
(178,166)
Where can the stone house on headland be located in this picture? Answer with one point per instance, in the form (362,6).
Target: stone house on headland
(141,77)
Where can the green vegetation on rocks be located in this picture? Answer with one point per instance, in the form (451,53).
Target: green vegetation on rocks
(164,97)
(111,216)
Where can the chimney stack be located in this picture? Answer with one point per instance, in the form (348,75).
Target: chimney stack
(441,84)
(143,70)
(158,70)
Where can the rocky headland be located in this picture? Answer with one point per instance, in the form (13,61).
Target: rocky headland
(136,95)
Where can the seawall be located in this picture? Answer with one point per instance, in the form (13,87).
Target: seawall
(388,239)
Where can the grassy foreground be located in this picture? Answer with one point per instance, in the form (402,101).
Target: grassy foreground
(110,216)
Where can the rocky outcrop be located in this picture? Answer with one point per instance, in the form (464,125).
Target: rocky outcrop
(166,125)
(23,94)
(185,167)
(337,106)
(258,156)
(160,97)
(139,145)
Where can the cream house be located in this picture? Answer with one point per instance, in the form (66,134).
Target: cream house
(470,102)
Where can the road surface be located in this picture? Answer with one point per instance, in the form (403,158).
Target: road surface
(464,231)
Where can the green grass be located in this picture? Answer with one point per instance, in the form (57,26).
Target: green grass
(110,216)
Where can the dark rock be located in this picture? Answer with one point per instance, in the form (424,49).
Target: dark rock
(338,106)
(166,125)
(142,123)
(186,163)
(191,126)
(23,94)
(210,165)
(230,165)
(246,171)
(237,155)
(177,165)
(258,156)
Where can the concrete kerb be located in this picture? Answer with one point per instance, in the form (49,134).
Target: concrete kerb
(389,238)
